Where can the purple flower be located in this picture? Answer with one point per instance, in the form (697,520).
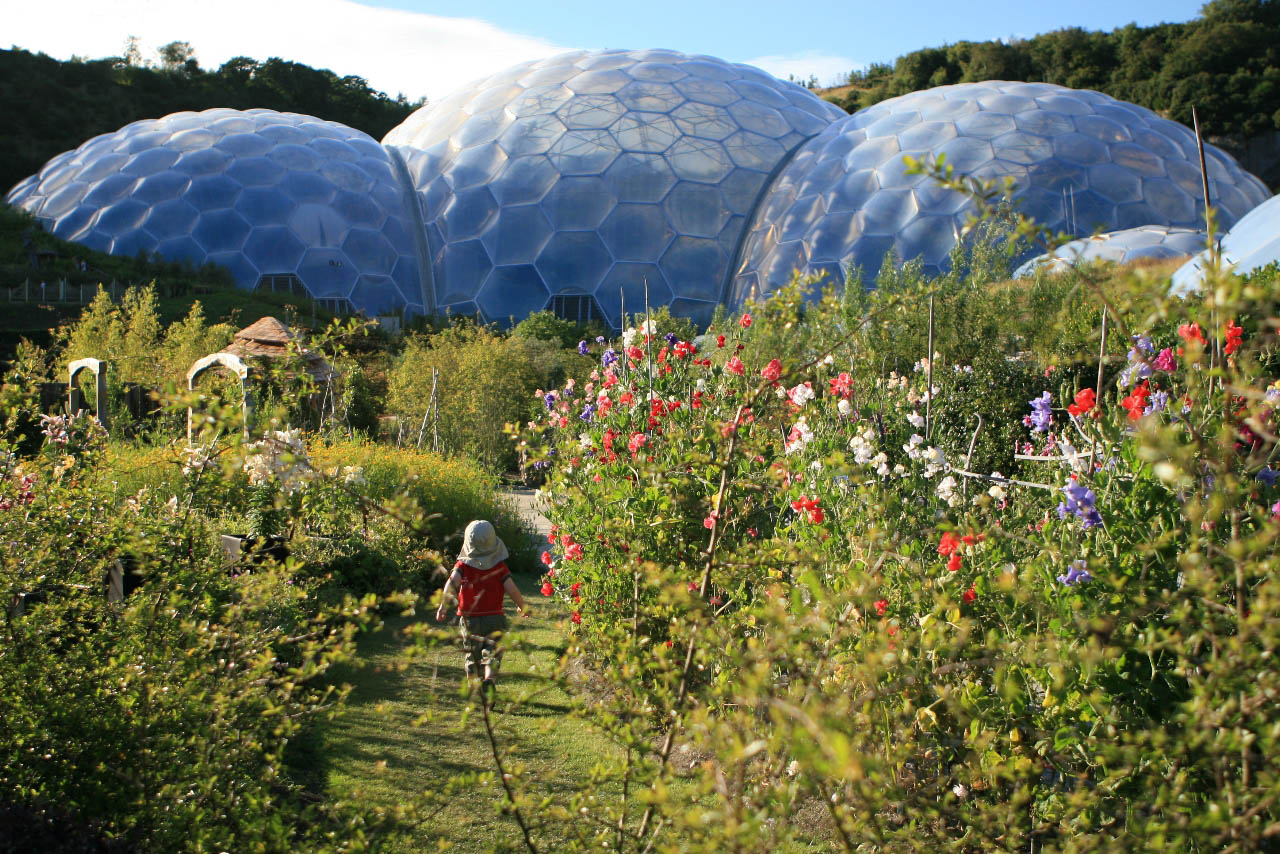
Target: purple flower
(587,412)
(550,400)
(1143,343)
(670,338)
(1041,413)
(1166,361)
(583,349)
(608,357)
(1158,402)
(1268,477)
(568,392)
(1080,501)
(1076,574)
(599,339)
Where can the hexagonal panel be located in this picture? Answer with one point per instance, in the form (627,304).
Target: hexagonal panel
(513,291)
(573,261)
(518,235)
(636,232)
(577,202)
(1078,159)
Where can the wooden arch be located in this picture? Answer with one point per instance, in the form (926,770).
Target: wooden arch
(232,363)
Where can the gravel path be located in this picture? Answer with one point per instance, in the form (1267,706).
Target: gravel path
(530,508)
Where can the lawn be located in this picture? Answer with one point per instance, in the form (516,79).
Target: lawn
(405,732)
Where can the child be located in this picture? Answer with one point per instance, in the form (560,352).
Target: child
(480,577)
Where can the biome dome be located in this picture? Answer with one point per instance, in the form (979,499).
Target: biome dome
(268,195)
(1120,247)
(1252,243)
(1081,161)
(589,174)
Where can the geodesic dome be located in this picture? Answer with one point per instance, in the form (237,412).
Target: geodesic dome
(584,176)
(280,199)
(1119,247)
(1081,161)
(1252,243)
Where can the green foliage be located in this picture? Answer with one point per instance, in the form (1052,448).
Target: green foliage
(485,381)
(545,326)
(776,569)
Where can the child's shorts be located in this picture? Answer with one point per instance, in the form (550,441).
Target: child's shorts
(480,642)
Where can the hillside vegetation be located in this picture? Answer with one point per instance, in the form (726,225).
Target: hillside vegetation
(53,106)
(1225,63)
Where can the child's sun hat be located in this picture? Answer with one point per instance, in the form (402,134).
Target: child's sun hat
(481,546)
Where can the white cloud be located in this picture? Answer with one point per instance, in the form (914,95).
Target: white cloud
(396,51)
(828,68)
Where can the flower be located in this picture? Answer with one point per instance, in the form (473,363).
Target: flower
(1234,336)
(949,543)
(744,321)
(1076,574)
(807,505)
(842,385)
(915,419)
(801,394)
(1080,501)
(573,552)
(710,521)
(1166,361)
(576,618)
(608,357)
(844,407)
(1158,403)
(881,605)
(969,595)
(546,557)
(583,348)
(799,437)
(735,365)
(547,589)
(1136,402)
(947,490)
(719,340)
(1041,416)
(772,371)
(953,562)
(1267,476)
(1190,332)
(1085,400)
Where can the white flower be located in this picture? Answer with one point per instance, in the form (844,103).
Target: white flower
(584,441)
(947,491)
(996,490)
(829,360)
(912,448)
(799,437)
(629,336)
(900,470)
(915,420)
(353,475)
(960,791)
(882,464)
(700,385)
(863,446)
(197,460)
(801,394)
(844,407)
(934,461)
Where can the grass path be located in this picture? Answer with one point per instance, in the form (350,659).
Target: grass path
(403,732)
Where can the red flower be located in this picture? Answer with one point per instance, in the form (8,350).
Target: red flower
(546,558)
(953,563)
(577,617)
(969,539)
(842,385)
(1137,401)
(881,605)
(637,441)
(1085,399)
(719,340)
(744,321)
(574,552)
(547,589)
(950,542)
(772,371)
(1191,332)
(710,521)
(753,533)
(573,590)
(815,515)
(1234,338)
(735,365)
(969,595)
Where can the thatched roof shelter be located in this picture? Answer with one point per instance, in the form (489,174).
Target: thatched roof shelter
(268,338)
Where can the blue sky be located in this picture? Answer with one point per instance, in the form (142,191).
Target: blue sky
(859,32)
(430,48)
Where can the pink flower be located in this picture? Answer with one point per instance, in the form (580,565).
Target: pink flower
(772,371)
(735,365)
(1166,361)
(573,552)
(744,321)
(710,521)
